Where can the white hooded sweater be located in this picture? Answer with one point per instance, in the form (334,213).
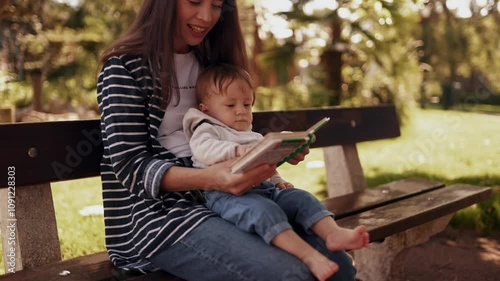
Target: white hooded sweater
(211,141)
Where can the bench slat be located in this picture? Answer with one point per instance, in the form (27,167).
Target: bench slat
(67,150)
(362,201)
(381,222)
(51,151)
(405,214)
(346,126)
(367,199)
(95,267)
(92,267)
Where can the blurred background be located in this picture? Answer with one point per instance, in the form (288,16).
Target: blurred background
(306,53)
(438,61)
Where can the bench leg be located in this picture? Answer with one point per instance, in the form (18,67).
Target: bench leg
(344,173)
(384,261)
(29,228)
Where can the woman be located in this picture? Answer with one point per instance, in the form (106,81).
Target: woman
(154,213)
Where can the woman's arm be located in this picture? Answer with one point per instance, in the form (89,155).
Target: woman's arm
(215,177)
(123,104)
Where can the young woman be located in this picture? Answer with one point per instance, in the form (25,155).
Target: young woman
(154,213)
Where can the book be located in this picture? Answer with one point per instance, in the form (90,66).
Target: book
(277,148)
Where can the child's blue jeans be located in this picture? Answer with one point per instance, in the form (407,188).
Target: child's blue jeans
(267,210)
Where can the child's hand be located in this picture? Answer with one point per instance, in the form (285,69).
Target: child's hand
(284,184)
(219,177)
(242,149)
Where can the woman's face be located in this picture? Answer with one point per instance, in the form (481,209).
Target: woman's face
(195,18)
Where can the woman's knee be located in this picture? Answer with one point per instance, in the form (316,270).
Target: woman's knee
(297,271)
(277,265)
(347,271)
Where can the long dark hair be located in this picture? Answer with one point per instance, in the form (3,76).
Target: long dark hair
(148,37)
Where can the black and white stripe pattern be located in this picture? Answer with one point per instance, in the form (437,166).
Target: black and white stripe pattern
(140,219)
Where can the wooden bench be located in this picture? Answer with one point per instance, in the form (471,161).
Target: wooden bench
(398,214)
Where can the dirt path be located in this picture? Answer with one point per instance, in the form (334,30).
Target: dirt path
(455,255)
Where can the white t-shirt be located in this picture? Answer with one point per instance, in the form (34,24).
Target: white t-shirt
(170,134)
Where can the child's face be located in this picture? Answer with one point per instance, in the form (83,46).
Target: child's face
(234,107)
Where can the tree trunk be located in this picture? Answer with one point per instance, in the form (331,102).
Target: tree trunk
(3,5)
(332,63)
(452,64)
(257,49)
(37,82)
(424,56)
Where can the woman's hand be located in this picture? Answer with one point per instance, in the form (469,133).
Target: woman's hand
(238,183)
(301,155)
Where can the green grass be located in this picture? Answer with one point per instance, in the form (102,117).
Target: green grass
(470,107)
(447,146)
(444,145)
(79,235)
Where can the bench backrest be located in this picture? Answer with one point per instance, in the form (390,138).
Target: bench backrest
(40,153)
(64,150)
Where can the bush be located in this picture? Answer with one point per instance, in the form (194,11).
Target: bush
(482,217)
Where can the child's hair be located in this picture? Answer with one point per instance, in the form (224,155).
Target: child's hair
(220,76)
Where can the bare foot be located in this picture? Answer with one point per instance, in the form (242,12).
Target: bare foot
(348,239)
(321,267)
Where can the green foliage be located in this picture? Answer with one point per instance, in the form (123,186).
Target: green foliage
(483,217)
(278,59)
(17,94)
(18,19)
(64,43)
(293,95)
(379,56)
(383,46)
(458,49)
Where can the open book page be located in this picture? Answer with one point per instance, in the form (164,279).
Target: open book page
(276,148)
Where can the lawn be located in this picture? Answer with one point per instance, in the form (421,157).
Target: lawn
(448,146)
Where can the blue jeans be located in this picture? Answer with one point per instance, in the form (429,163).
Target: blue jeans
(217,250)
(267,210)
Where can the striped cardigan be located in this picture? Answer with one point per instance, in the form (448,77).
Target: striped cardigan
(140,219)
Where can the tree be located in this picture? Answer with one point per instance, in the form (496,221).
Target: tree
(366,49)
(460,46)
(59,45)
(328,52)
